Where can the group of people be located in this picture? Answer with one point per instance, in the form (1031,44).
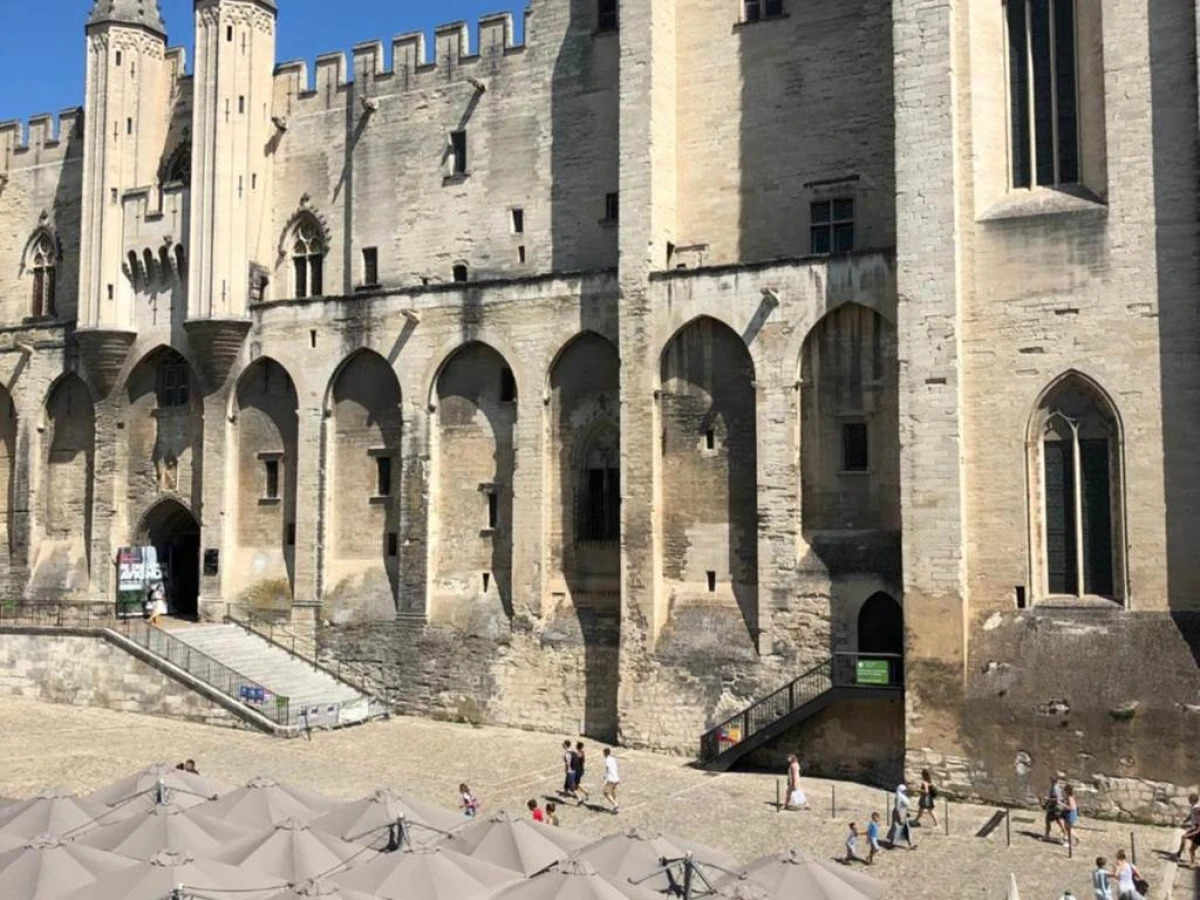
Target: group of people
(901,825)
(1122,882)
(574,765)
(1062,809)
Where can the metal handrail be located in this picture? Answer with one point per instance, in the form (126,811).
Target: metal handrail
(841,671)
(356,677)
(160,643)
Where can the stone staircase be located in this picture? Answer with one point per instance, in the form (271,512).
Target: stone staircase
(315,698)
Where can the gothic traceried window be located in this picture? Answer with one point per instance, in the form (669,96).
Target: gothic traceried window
(598,494)
(1078,474)
(308,259)
(42,266)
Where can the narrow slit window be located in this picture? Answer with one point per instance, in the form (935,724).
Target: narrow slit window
(518,221)
(855,450)
(118,57)
(290,534)
(383,476)
(612,207)
(460,273)
(393,544)
(370,265)
(521,254)
(493,510)
(229,32)
(270,479)
(242,105)
(712,581)
(487,581)
(710,439)
(458,150)
(607,15)
(757,10)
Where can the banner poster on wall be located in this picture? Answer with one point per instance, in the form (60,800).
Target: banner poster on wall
(137,568)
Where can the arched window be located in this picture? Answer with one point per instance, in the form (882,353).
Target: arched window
(1076,470)
(598,498)
(308,258)
(43,257)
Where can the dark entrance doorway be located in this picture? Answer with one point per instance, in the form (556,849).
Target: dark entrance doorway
(173,531)
(881,630)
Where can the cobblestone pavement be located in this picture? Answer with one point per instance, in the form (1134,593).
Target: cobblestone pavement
(43,745)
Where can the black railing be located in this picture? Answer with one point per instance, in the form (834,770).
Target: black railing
(842,670)
(159,643)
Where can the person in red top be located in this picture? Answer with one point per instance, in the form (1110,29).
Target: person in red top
(536,812)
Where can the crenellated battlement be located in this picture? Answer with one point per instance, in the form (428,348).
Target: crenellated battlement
(41,139)
(410,62)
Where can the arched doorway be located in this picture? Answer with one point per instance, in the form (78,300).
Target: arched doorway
(173,531)
(881,631)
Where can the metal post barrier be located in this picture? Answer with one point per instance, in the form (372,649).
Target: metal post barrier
(778,805)
(947,821)
(833,801)
(1133,848)
(1008,828)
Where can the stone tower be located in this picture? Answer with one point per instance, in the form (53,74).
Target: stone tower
(231,177)
(127,97)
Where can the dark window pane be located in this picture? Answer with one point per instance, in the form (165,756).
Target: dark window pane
(301,265)
(1043,90)
(843,210)
(370,265)
(1018,90)
(774,7)
(1097,517)
(38,288)
(493,502)
(822,238)
(1068,126)
(753,11)
(606,17)
(855,452)
(843,238)
(612,505)
(51,287)
(318,277)
(1060,517)
(271,485)
(383,476)
(458,142)
(821,212)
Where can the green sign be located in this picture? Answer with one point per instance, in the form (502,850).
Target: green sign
(874,671)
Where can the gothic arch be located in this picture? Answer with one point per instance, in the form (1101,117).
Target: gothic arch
(363,485)
(1076,498)
(39,263)
(708,460)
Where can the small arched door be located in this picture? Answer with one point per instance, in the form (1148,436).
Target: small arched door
(881,631)
(173,531)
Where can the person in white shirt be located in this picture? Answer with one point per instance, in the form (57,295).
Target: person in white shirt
(1127,875)
(612,779)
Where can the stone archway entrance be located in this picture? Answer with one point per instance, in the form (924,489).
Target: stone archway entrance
(170,527)
(881,631)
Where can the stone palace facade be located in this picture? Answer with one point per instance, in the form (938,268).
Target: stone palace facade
(607,381)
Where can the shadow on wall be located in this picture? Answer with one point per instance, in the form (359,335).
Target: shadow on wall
(476,418)
(584,115)
(1177,189)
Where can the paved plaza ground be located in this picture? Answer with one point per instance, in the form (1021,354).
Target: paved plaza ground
(43,745)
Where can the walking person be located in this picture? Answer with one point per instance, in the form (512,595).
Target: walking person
(927,801)
(552,814)
(872,838)
(796,798)
(612,780)
(852,846)
(1070,813)
(535,811)
(158,603)
(580,763)
(1128,879)
(1191,831)
(900,829)
(1055,807)
(467,801)
(568,758)
(1102,880)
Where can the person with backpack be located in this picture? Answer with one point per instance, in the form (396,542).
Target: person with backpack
(927,802)
(1130,884)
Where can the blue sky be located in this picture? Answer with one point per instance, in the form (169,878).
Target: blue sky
(41,64)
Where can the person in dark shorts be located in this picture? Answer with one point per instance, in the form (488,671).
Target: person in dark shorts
(580,763)
(927,801)
(568,758)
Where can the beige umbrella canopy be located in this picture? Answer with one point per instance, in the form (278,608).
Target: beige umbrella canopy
(367,820)
(155,880)
(426,873)
(46,868)
(520,845)
(574,879)
(794,874)
(294,852)
(51,812)
(326,890)
(264,803)
(182,788)
(639,852)
(1014,892)
(166,827)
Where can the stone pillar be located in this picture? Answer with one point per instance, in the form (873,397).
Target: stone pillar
(214,509)
(415,519)
(929,262)
(312,486)
(108,509)
(647,100)
(528,526)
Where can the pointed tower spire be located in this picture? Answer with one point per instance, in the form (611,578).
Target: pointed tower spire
(144,13)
